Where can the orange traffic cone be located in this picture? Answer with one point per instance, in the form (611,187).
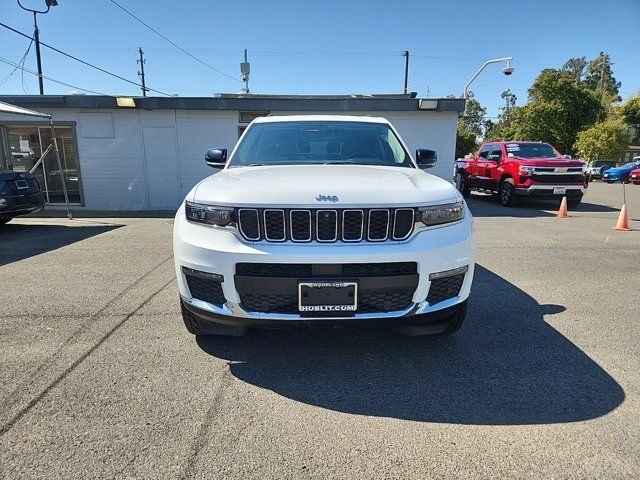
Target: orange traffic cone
(623,220)
(562,213)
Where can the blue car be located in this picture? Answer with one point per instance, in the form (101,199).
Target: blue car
(621,174)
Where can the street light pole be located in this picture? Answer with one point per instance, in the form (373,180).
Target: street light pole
(508,70)
(36,37)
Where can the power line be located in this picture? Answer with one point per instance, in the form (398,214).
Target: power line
(21,62)
(83,61)
(24,69)
(173,43)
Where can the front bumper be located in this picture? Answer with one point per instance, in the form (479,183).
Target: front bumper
(546,189)
(14,205)
(612,177)
(217,251)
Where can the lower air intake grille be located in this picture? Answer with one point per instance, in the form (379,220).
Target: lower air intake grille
(442,289)
(205,287)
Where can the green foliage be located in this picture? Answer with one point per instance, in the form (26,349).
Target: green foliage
(465,141)
(473,117)
(575,67)
(558,109)
(589,74)
(593,78)
(630,113)
(604,140)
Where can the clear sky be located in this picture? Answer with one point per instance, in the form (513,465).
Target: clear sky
(327,46)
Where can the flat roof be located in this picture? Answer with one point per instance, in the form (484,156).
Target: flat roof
(250,103)
(320,118)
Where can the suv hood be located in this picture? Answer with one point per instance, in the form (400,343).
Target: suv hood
(550,162)
(299,185)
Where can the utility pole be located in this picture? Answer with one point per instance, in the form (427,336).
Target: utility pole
(406,70)
(245,70)
(605,57)
(141,72)
(36,37)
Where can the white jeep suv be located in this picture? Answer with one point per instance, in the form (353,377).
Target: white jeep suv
(323,219)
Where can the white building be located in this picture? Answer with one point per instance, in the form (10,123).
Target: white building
(147,153)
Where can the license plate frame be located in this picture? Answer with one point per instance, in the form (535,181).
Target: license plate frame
(559,190)
(322,301)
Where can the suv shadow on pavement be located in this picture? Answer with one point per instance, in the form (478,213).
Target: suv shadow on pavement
(486,205)
(506,366)
(19,241)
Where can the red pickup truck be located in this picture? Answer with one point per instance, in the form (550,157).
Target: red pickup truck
(515,169)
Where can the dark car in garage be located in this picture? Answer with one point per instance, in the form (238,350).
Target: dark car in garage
(19,194)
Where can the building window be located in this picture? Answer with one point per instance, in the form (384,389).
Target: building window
(241,130)
(25,145)
(248,117)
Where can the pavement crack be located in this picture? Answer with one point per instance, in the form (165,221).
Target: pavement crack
(34,401)
(12,396)
(201,435)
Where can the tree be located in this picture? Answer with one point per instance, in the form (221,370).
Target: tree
(500,130)
(471,126)
(473,117)
(630,113)
(557,110)
(465,142)
(599,77)
(604,140)
(575,67)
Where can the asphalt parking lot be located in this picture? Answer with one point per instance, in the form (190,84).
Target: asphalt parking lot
(99,378)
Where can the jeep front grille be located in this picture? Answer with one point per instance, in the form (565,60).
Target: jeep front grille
(325,225)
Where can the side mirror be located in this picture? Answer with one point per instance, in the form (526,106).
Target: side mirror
(216,157)
(426,158)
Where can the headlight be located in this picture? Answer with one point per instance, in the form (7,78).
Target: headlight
(208,214)
(525,170)
(439,214)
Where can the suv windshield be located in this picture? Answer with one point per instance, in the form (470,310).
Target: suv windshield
(312,143)
(531,150)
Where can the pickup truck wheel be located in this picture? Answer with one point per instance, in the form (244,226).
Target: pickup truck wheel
(574,201)
(194,327)
(462,184)
(508,193)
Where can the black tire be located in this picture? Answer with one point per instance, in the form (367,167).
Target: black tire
(610,181)
(508,193)
(574,201)
(456,320)
(4,219)
(462,184)
(636,183)
(452,324)
(194,327)
(190,321)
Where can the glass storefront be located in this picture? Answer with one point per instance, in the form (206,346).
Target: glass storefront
(23,146)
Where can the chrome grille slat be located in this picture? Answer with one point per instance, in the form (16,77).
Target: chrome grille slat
(344,221)
(292,227)
(376,226)
(343,225)
(276,215)
(326,213)
(253,215)
(395,223)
